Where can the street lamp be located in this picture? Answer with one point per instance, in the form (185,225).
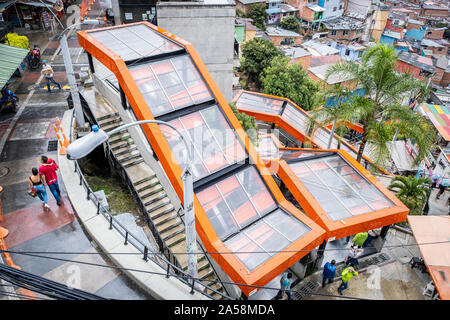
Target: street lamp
(85,145)
(68,65)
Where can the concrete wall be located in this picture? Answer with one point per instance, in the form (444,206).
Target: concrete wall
(329,6)
(209,26)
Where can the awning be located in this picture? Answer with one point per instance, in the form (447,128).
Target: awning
(10,59)
(5,5)
(434,230)
(48,3)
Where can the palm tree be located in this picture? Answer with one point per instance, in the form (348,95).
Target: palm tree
(385,90)
(413,192)
(337,115)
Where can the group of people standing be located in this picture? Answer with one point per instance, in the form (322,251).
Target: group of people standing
(355,250)
(45,175)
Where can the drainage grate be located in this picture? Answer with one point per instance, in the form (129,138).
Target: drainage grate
(308,288)
(52,145)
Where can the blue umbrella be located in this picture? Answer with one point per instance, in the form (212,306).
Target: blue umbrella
(445,182)
(436,176)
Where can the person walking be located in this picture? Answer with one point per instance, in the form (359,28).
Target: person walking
(354,253)
(329,272)
(372,234)
(285,282)
(48,170)
(442,188)
(47,71)
(346,275)
(359,238)
(36,182)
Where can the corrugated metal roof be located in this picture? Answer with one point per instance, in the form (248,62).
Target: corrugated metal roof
(10,58)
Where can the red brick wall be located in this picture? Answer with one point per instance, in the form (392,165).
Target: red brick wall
(304,61)
(445,79)
(434,12)
(435,33)
(340,35)
(438,74)
(276,40)
(413,26)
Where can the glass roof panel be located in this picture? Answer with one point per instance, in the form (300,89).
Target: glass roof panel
(215,143)
(267,147)
(339,188)
(134,42)
(170,84)
(297,118)
(266,237)
(259,103)
(238,200)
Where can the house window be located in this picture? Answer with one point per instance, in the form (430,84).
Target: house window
(340,7)
(347,52)
(287,41)
(334,9)
(333,32)
(345,32)
(429,32)
(439,49)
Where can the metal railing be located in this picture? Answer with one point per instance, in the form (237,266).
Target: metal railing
(171,268)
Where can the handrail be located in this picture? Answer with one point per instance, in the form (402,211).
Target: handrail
(114,223)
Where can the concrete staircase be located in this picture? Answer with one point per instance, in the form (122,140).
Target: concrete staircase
(159,208)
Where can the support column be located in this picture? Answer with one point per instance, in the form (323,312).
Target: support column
(123,98)
(91,63)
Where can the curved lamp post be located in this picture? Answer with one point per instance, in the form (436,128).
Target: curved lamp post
(85,145)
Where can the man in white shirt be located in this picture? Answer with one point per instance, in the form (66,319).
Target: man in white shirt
(47,71)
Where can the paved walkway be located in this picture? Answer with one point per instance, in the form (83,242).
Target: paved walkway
(26,137)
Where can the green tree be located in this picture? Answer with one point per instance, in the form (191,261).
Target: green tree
(248,123)
(412,191)
(381,111)
(337,115)
(290,23)
(258,14)
(290,81)
(256,56)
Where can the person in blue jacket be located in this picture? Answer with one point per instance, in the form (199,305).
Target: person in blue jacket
(329,271)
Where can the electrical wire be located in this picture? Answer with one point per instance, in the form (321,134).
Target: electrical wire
(218,252)
(191,278)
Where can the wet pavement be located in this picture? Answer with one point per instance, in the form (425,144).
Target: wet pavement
(24,137)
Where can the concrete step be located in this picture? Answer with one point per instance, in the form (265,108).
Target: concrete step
(202,262)
(160,207)
(156,198)
(153,196)
(207,273)
(107,122)
(132,162)
(171,231)
(173,235)
(164,218)
(111,126)
(121,143)
(119,137)
(146,184)
(128,156)
(150,191)
(121,151)
(215,286)
(121,132)
(108,116)
(179,241)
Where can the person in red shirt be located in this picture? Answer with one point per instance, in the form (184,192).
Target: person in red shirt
(48,170)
